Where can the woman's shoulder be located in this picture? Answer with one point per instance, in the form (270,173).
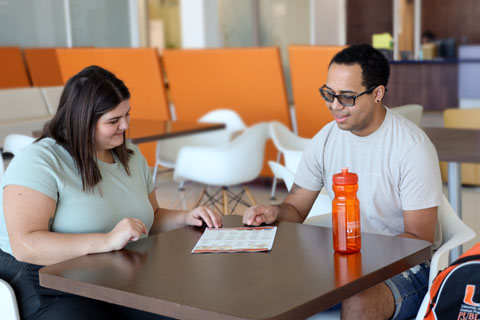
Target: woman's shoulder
(38,166)
(38,147)
(45,147)
(41,152)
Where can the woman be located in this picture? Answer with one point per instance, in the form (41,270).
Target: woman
(77,190)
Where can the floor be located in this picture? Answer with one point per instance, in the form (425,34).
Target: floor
(168,196)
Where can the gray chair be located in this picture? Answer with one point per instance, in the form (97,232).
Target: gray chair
(412,112)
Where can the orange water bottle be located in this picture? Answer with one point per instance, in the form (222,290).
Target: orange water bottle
(346,213)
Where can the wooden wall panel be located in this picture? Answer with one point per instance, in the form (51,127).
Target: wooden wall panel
(366,17)
(457,19)
(432,85)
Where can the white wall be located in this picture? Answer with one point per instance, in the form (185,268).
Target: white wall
(42,23)
(199,23)
(329,23)
(28,23)
(100,23)
(237,23)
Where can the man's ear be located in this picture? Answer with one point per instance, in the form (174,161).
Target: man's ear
(379,93)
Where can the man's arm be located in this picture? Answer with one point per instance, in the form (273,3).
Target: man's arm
(420,224)
(294,208)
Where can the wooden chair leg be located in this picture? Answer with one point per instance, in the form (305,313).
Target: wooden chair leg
(225,202)
(202,193)
(250,197)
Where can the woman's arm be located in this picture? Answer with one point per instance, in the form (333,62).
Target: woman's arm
(28,214)
(165,219)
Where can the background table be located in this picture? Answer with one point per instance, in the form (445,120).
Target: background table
(455,146)
(299,277)
(144,130)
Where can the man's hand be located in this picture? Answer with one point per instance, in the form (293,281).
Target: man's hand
(255,216)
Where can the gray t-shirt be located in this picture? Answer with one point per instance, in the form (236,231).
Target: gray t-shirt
(397,168)
(47,167)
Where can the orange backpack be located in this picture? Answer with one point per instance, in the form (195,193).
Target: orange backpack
(453,294)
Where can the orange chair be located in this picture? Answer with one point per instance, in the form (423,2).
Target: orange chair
(13,73)
(138,68)
(308,69)
(249,81)
(42,64)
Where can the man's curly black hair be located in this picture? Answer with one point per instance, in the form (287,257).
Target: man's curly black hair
(375,67)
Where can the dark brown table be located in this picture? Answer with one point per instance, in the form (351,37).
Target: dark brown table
(299,277)
(145,130)
(455,145)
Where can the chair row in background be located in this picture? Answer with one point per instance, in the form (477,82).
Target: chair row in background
(249,81)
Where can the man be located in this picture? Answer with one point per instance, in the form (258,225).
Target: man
(398,175)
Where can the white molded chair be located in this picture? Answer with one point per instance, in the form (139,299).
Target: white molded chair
(320,214)
(235,163)
(286,141)
(168,149)
(412,112)
(14,143)
(454,233)
(288,144)
(8,302)
(282,172)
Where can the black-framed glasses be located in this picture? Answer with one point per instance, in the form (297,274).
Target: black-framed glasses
(346,100)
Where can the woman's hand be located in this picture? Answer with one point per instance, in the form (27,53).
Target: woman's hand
(203,214)
(128,229)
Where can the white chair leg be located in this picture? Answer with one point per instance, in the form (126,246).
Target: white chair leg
(274,182)
(181,186)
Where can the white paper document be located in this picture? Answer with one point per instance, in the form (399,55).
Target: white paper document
(245,239)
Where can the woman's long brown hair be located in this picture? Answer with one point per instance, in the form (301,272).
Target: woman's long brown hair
(85,98)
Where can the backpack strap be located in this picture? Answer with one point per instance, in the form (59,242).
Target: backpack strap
(465,259)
